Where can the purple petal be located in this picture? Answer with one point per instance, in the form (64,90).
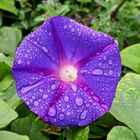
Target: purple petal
(60,42)
(102,73)
(79,41)
(36,90)
(29,56)
(75,107)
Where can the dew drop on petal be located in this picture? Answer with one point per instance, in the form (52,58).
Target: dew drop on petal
(95,98)
(83,71)
(66,98)
(68,113)
(74,87)
(72,30)
(36,103)
(61,116)
(104,57)
(28,62)
(26,55)
(52,112)
(19,61)
(50,34)
(45,96)
(40,90)
(83,115)
(53,87)
(110,61)
(45,49)
(79,101)
(65,26)
(111,72)
(100,63)
(104,106)
(97,72)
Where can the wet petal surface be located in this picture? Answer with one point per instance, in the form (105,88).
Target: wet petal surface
(59,97)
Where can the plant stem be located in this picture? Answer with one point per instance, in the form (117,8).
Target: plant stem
(114,13)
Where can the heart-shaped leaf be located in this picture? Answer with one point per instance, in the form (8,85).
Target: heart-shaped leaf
(126,106)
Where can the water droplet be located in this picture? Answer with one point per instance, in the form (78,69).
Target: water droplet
(97,72)
(93,34)
(28,103)
(87,105)
(61,116)
(104,57)
(50,34)
(33,97)
(55,120)
(28,51)
(95,98)
(36,103)
(45,96)
(41,90)
(100,63)
(83,71)
(31,100)
(68,106)
(53,87)
(66,98)
(110,61)
(28,63)
(74,87)
(72,30)
(65,26)
(28,88)
(52,112)
(45,49)
(104,106)
(26,55)
(79,101)
(19,61)
(83,115)
(111,72)
(68,113)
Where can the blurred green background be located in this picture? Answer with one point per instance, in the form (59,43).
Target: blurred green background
(119,18)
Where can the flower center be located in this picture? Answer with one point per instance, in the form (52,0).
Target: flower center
(68,73)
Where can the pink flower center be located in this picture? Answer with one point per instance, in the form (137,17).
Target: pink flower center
(68,73)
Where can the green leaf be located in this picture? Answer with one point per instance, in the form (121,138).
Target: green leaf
(6,135)
(4,66)
(8,5)
(4,69)
(131,57)
(9,39)
(28,126)
(6,114)
(84,1)
(99,131)
(77,133)
(121,133)
(6,82)
(10,96)
(107,120)
(8,60)
(126,105)
(0,18)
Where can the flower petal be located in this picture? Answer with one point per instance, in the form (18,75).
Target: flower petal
(43,38)
(75,107)
(36,90)
(102,73)
(29,56)
(79,41)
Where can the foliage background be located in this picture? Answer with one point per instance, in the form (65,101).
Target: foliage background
(119,18)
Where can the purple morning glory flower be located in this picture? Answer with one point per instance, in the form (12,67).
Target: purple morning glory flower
(66,72)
